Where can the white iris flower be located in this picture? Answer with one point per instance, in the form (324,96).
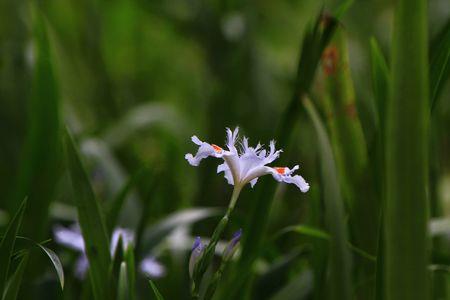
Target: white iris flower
(247,165)
(73,239)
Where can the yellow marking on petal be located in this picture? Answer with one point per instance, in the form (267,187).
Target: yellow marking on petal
(217,148)
(280,170)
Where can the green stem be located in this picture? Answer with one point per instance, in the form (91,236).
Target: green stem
(208,254)
(406,213)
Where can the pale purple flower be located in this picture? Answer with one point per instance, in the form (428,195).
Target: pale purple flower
(248,164)
(152,268)
(127,239)
(72,238)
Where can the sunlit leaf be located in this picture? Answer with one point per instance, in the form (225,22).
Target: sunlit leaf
(56,263)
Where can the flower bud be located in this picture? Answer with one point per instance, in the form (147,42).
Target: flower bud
(197,250)
(232,245)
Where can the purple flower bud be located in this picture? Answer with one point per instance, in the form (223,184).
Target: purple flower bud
(197,250)
(232,245)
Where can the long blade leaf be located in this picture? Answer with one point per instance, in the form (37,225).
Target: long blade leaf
(340,260)
(406,174)
(91,222)
(440,63)
(155,291)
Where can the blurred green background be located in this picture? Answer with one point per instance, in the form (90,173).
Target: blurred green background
(133,80)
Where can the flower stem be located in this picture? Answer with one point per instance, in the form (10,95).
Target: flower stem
(208,254)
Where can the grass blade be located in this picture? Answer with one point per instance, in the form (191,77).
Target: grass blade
(131,271)
(380,86)
(118,202)
(346,134)
(40,163)
(440,63)
(406,208)
(155,291)
(56,263)
(7,244)
(91,222)
(322,235)
(308,231)
(340,260)
(123,282)
(54,259)
(12,289)
(380,80)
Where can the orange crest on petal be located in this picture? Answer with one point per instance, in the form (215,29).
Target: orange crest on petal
(217,148)
(280,170)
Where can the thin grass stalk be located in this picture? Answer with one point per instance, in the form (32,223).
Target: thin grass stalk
(406,212)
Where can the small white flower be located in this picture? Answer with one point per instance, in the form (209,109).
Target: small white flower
(247,165)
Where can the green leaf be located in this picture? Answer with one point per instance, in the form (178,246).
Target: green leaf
(155,291)
(309,231)
(131,271)
(54,259)
(340,260)
(320,234)
(407,142)
(380,81)
(7,244)
(340,11)
(117,203)
(439,63)
(316,38)
(379,272)
(40,162)
(56,263)
(91,222)
(123,282)
(117,259)
(12,289)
